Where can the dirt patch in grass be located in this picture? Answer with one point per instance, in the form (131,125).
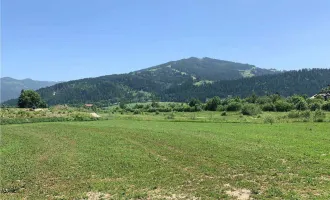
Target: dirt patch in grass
(97,196)
(159,194)
(240,194)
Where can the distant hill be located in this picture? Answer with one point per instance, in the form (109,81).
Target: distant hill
(11,88)
(183,79)
(143,85)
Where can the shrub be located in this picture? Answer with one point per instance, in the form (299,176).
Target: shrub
(234,106)
(301,105)
(326,106)
(221,108)
(224,113)
(152,110)
(269,107)
(319,116)
(251,109)
(295,99)
(122,105)
(212,104)
(137,112)
(194,102)
(147,106)
(315,106)
(198,108)
(138,106)
(81,117)
(128,109)
(269,120)
(155,104)
(264,100)
(170,116)
(166,109)
(293,114)
(283,106)
(305,114)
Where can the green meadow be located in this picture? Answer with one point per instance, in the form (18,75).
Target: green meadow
(185,156)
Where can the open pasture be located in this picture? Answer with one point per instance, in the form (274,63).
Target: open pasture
(139,159)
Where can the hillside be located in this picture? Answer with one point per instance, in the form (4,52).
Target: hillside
(11,88)
(184,79)
(142,85)
(306,81)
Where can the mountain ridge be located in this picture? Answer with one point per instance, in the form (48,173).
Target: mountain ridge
(180,80)
(11,87)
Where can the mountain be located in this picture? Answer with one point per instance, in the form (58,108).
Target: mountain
(172,81)
(143,85)
(11,88)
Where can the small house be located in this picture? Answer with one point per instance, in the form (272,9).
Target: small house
(88,105)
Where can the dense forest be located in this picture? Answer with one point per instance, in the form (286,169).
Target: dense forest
(306,81)
(182,80)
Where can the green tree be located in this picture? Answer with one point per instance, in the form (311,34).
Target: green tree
(194,102)
(30,99)
(213,103)
(283,106)
(122,104)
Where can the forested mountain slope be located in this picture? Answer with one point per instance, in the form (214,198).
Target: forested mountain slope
(143,84)
(306,81)
(184,79)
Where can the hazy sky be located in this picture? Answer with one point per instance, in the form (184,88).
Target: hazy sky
(71,39)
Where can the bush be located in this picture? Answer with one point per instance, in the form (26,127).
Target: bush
(293,114)
(315,106)
(326,106)
(319,116)
(251,109)
(283,106)
(122,105)
(224,113)
(305,114)
(138,106)
(234,106)
(152,110)
(212,104)
(128,109)
(82,117)
(301,105)
(166,109)
(269,107)
(170,116)
(194,102)
(221,108)
(264,100)
(137,112)
(198,108)
(269,120)
(155,104)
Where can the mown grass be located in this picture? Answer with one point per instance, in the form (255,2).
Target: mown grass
(125,159)
(220,117)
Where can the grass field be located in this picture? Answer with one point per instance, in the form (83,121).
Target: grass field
(138,159)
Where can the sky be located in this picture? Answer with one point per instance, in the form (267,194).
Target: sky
(70,39)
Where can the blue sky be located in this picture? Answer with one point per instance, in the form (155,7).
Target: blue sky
(71,39)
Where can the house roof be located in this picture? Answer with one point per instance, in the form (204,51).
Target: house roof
(88,105)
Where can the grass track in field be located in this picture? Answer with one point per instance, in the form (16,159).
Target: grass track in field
(141,159)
